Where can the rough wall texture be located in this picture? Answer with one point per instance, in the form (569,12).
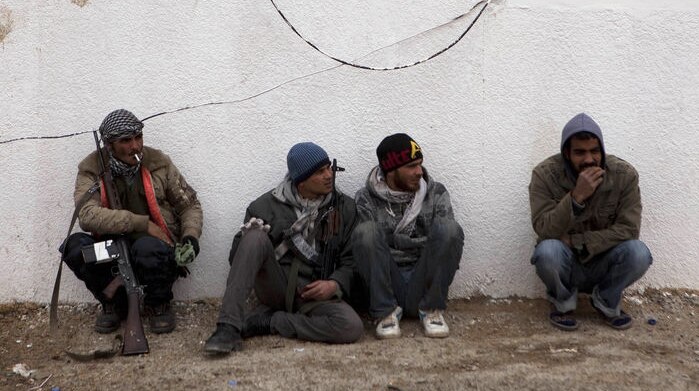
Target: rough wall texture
(485,113)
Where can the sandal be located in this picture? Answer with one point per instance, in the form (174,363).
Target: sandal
(620,322)
(563,320)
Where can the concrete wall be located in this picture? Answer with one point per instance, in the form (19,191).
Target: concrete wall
(485,112)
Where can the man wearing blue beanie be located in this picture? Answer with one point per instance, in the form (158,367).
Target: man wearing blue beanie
(294,249)
(586,211)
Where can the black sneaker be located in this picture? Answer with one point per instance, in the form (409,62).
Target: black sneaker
(258,323)
(225,339)
(108,320)
(162,320)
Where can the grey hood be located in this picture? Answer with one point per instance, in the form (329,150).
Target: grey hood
(581,123)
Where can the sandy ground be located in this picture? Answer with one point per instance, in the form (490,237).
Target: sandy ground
(495,345)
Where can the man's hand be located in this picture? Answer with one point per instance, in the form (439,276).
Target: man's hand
(156,232)
(253,224)
(319,290)
(588,181)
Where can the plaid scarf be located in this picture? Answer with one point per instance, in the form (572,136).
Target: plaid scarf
(306,213)
(121,169)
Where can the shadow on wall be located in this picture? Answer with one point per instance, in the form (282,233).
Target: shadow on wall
(6,23)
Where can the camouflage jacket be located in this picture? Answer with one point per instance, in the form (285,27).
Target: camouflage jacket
(176,200)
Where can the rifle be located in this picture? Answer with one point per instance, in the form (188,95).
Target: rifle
(334,223)
(135,341)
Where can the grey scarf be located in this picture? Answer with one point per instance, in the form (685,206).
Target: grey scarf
(414,200)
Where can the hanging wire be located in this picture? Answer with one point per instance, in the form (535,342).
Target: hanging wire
(341,63)
(360,66)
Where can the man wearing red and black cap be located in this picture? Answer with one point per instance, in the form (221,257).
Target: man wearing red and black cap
(407,244)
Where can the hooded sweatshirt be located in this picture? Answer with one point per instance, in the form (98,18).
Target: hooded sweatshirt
(610,216)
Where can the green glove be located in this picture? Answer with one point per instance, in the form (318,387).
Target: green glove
(184,254)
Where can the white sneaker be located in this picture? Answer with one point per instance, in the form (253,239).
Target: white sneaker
(434,324)
(389,326)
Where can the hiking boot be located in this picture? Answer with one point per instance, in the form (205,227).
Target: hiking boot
(108,320)
(258,323)
(389,326)
(434,324)
(162,320)
(225,339)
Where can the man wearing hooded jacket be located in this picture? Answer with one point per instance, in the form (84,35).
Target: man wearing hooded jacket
(290,233)
(586,211)
(160,216)
(407,243)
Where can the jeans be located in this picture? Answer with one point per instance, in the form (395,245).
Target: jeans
(424,286)
(605,276)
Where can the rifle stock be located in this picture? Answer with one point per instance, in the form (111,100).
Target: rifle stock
(135,341)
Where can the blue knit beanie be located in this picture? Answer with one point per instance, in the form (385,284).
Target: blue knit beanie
(304,159)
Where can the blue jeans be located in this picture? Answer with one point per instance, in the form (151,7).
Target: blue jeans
(605,276)
(425,285)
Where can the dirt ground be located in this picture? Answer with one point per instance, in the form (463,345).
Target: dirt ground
(494,345)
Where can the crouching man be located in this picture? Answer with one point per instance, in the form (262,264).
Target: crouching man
(160,216)
(586,211)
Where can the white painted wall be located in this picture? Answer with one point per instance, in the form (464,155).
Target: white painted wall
(485,113)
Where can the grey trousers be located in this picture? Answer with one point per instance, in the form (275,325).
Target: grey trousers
(428,285)
(254,266)
(605,276)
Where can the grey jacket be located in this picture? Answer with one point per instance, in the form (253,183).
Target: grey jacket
(404,249)
(280,216)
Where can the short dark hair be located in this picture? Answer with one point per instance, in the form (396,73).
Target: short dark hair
(584,135)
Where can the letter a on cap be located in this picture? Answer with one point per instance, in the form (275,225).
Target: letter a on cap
(414,149)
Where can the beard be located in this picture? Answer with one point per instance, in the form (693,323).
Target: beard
(407,183)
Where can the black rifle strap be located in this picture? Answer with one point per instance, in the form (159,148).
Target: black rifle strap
(292,280)
(53,311)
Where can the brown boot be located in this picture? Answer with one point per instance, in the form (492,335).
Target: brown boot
(162,320)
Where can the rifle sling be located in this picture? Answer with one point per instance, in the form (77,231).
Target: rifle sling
(53,311)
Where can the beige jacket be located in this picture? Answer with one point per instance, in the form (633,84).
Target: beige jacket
(177,200)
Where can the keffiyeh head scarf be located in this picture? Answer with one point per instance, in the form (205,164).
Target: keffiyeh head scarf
(116,125)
